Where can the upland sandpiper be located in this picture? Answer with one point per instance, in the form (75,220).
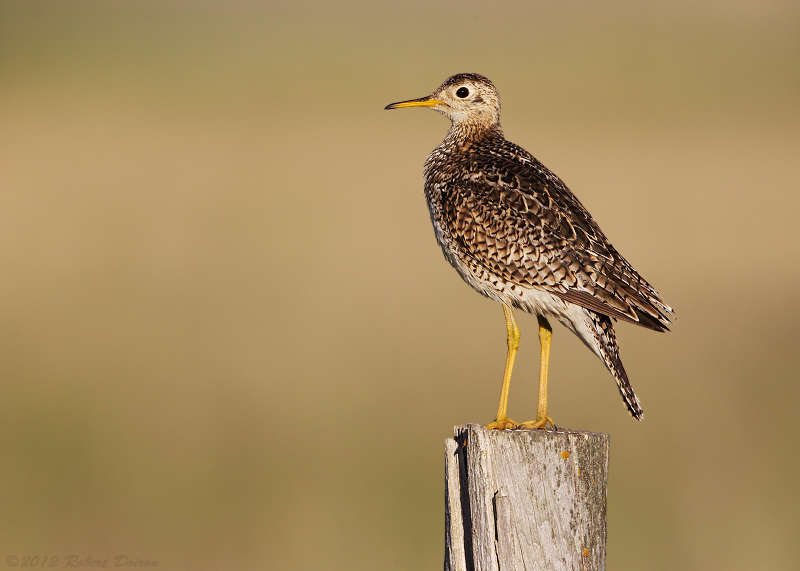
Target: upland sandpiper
(514,232)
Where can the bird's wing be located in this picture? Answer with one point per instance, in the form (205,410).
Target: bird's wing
(514,216)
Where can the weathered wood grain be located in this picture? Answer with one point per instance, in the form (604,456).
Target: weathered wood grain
(525,499)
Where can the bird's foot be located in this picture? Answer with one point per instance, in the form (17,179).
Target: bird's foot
(539,423)
(504,423)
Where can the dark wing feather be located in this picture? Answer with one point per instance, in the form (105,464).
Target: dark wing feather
(519,220)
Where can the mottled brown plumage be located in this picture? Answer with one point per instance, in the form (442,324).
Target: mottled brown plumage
(514,231)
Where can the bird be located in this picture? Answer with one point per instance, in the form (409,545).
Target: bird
(515,233)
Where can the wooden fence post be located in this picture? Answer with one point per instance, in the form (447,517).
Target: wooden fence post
(525,499)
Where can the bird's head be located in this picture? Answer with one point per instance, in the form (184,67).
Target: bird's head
(469,100)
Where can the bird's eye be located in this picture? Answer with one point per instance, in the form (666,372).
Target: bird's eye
(462,92)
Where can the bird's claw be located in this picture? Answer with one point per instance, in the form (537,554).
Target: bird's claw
(540,424)
(502,424)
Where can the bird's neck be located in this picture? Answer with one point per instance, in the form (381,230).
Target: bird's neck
(465,134)
(460,143)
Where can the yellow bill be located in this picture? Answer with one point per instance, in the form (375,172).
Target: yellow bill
(421,102)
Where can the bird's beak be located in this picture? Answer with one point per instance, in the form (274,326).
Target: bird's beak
(421,102)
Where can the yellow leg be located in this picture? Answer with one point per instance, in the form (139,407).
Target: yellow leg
(545,336)
(502,421)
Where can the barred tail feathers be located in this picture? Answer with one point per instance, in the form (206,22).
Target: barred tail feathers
(597,332)
(606,341)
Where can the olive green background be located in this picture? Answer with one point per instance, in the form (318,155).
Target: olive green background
(228,339)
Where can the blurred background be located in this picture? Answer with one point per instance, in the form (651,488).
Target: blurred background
(228,339)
